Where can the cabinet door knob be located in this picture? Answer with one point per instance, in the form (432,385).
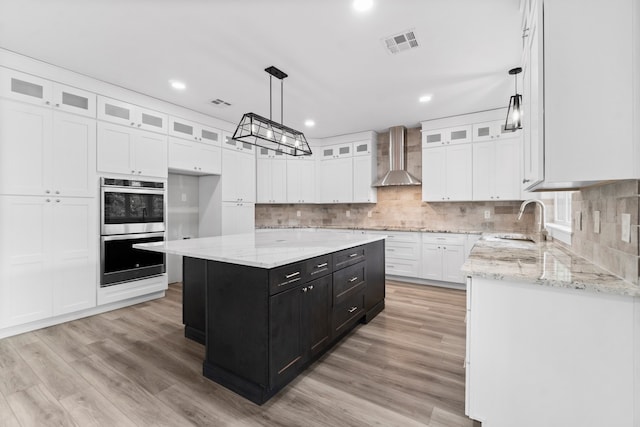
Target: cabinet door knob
(133,171)
(57,192)
(48,200)
(139,172)
(57,200)
(57,105)
(304,289)
(524,181)
(47,191)
(139,124)
(132,123)
(310,287)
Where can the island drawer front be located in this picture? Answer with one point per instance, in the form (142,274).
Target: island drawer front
(287,277)
(348,257)
(347,312)
(318,267)
(347,281)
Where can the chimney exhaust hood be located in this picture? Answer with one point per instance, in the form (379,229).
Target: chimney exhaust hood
(397,174)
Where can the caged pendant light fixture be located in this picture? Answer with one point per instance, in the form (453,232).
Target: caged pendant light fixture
(262,132)
(514,112)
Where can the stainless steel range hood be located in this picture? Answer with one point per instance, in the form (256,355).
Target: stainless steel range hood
(397,174)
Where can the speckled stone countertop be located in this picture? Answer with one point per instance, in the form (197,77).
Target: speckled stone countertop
(338,227)
(543,263)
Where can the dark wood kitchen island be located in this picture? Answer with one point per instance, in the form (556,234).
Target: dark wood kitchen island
(267,304)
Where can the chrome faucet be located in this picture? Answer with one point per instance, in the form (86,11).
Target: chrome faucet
(541,226)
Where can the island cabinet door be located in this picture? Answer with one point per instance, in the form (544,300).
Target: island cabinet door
(285,335)
(316,316)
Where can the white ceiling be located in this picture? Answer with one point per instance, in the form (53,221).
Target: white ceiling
(340,73)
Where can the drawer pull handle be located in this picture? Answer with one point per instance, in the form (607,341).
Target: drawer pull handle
(288,282)
(390,250)
(352,255)
(353,279)
(289,276)
(324,264)
(352,309)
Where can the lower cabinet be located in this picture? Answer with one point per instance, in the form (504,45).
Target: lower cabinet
(48,257)
(443,257)
(299,327)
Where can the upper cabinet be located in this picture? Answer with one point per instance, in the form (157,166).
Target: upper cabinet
(35,90)
(365,169)
(130,151)
(586,82)
(271,176)
(131,115)
(194,131)
(301,179)
(497,169)
(447,136)
(45,152)
(492,130)
(232,144)
(446,174)
(335,174)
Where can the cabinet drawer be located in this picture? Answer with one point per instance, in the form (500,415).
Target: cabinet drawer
(409,251)
(348,257)
(400,267)
(402,236)
(456,239)
(286,277)
(318,267)
(347,281)
(347,313)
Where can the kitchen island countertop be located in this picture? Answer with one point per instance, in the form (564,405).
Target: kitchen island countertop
(265,249)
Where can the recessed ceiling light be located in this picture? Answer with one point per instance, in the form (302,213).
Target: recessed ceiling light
(425,98)
(176,84)
(309,123)
(362,5)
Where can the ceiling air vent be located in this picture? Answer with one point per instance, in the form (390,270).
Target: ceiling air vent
(220,103)
(400,42)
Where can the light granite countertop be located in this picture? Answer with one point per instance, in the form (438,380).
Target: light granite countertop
(543,263)
(338,227)
(266,249)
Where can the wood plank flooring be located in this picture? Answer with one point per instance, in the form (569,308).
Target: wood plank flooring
(133,367)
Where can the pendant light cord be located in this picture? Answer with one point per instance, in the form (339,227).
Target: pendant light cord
(270,97)
(281,102)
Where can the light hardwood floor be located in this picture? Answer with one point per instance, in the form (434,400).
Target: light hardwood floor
(133,367)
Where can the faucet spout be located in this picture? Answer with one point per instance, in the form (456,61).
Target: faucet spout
(541,225)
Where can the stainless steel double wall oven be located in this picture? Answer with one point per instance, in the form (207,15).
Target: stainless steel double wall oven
(131,212)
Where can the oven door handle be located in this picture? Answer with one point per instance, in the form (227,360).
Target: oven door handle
(131,236)
(133,190)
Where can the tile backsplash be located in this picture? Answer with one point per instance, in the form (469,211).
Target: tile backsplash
(401,206)
(605,246)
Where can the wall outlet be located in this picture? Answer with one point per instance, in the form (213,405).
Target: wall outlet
(626,227)
(298,214)
(348,213)
(487,214)
(184,197)
(369,214)
(596,222)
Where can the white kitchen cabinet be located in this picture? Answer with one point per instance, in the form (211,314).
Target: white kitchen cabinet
(532,98)
(130,115)
(447,136)
(447,173)
(570,351)
(492,130)
(231,144)
(497,170)
(336,151)
(48,257)
(364,172)
(271,176)
(194,131)
(237,217)
(301,179)
(402,252)
(130,151)
(194,158)
(335,180)
(443,256)
(45,93)
(238,176)
(44,151)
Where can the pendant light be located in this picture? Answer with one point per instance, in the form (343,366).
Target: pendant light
(262,132)
(514,112)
